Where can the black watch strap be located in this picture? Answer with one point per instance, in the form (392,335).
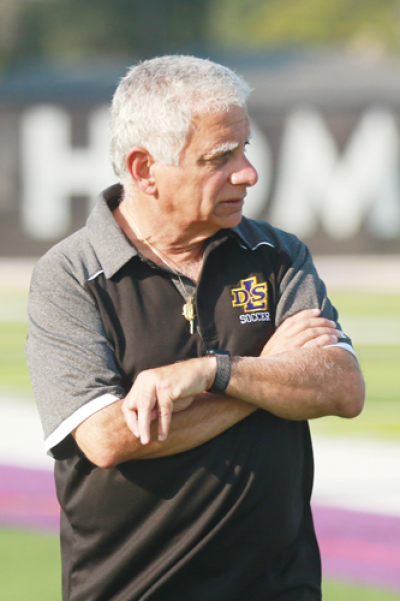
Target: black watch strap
(223,373)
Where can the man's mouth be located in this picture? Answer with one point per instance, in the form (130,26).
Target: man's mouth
(233,201)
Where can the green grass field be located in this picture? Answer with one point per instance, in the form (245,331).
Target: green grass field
(379,363)
(13,371)
(30,564)
(30,570)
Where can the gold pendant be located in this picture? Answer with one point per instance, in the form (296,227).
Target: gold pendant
(189,313)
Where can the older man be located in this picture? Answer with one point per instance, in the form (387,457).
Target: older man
(176,351)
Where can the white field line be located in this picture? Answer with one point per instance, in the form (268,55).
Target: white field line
(13,307)
(16,273)
(358,474)
(21,436)
(371,330)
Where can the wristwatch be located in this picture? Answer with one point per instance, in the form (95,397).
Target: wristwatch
(223,373)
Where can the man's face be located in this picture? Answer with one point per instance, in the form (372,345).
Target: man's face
(206,191)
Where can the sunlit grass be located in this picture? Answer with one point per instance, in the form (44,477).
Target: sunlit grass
(360,304)
(31,569)
(380,365)
(30,566)
(340,591)
(381,368)
(13,371)
(380,419)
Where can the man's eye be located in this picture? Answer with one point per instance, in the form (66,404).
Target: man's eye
(219,159)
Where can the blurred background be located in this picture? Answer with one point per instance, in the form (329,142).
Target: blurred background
(325,111)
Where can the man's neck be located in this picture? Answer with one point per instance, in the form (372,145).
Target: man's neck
(160,242)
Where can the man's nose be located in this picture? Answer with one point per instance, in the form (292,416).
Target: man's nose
(245,175)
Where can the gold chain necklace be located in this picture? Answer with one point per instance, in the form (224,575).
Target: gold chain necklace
(188,309)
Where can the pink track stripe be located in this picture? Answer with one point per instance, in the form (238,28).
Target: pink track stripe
(360,551)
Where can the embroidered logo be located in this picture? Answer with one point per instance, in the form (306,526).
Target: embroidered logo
(251,295)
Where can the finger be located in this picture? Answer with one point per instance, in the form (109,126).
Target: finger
(321,341)
(164,419)
(305,319)
(311,327)
(315,333)
(130,419)
(313,322)
(301,316)
(308,313)
(144,411)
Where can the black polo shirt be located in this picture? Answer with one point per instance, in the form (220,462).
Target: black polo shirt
(229,520)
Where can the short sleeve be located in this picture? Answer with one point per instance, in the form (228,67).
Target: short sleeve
(70,360)
(301,288)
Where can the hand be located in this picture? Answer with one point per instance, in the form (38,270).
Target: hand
(305,329)
(157,393)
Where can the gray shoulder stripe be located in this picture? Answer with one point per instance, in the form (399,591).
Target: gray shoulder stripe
(257,245)
(261,243)
(92,277)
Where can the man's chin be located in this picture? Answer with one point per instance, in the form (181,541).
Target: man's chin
(232,220)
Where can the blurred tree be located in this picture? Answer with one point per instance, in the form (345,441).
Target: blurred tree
(259,24)
(79,29)
(10,11)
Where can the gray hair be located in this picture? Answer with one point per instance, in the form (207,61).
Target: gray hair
(155,103)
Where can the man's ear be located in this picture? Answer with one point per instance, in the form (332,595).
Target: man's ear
(139,162)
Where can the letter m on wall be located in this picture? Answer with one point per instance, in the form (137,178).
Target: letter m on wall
(317,186)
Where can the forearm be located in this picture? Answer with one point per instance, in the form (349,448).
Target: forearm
(106,440)
(300,384)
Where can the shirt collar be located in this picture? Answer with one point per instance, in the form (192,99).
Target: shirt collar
(251,234)
(114,249)
(109,242)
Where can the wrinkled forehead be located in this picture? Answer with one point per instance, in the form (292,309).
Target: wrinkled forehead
(220,130)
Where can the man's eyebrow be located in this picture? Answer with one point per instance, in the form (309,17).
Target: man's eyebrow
(226,147)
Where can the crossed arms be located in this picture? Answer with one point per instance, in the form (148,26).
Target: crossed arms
(298,376)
